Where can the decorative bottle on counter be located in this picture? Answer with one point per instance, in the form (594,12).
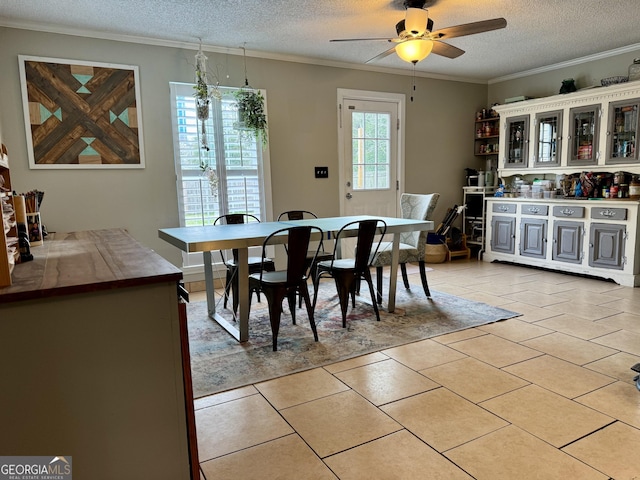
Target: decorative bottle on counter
(23,243)
(634,70)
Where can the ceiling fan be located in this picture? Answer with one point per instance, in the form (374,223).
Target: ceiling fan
(416,38)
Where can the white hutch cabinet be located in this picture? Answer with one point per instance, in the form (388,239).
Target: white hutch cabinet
(592,130)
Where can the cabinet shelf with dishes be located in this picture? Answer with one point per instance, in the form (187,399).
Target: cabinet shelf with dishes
(486,146)
(487,136)
(9,253)
(594,129)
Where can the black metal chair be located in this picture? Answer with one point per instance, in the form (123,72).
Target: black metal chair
(347,272)
(276,285)
(255,263)
(313,255)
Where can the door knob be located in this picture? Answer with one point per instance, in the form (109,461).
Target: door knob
(349,196)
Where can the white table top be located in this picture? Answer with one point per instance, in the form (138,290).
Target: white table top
(243,236)
(220,237)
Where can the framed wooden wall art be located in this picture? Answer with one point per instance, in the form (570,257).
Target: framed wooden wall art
(81,115)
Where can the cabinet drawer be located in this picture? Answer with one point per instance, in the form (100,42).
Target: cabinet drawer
(504,208)
(568,211)
(604,213)
(535,209)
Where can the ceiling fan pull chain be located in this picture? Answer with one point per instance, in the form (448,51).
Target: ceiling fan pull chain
(413,89)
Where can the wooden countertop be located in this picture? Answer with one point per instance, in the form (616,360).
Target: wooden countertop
(80,262)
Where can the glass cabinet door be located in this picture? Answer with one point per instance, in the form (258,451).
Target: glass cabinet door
(583,135)
(517,141)
(548,141)
(622,132)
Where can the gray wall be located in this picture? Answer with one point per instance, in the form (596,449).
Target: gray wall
(302,132)
(585,74)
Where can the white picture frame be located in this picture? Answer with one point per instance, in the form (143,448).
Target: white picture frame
(81,115)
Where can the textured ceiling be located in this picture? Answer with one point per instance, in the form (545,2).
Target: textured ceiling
(538,34)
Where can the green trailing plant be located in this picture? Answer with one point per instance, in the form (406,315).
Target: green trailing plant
(203,93)
(251,114)
(202,98)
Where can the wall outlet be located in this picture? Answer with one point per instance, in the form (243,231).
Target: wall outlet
(322,172)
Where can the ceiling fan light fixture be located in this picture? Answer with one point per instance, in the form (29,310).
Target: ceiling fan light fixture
(415,50)
(416,21)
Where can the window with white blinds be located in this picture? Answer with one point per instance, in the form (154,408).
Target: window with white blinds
(239,161)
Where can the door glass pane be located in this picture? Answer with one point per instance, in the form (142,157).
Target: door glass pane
(584,124)
(547,140)
(516,144)
(624,133)
(370,140)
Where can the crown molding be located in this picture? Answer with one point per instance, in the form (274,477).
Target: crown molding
(195,45)
(569,63)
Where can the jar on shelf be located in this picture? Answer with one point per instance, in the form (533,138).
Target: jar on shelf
(619,178)
(623,190)
(634,70)
(634,189)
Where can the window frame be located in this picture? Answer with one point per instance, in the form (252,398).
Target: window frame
(193,263)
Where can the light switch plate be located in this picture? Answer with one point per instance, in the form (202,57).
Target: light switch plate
(322,172)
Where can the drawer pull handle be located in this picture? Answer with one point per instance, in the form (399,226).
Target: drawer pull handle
(568,212)
(534,209)
(503,208)
(608,213)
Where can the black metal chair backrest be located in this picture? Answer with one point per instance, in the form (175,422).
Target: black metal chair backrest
(297,215)
(234,219)
(367,230)
(297,245)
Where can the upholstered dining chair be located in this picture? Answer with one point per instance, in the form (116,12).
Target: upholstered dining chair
(347,272)
(255,263)
(276,285)
(412,244)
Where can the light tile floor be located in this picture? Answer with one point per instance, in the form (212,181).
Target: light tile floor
(547,395)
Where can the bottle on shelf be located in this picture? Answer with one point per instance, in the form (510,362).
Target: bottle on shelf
(634,70)
(634,188)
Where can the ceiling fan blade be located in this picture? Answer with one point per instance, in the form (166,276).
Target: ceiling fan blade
(382,55)
(360,39)
(470,28)
(446,50)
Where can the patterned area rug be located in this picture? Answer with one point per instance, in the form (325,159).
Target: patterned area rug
(219,362)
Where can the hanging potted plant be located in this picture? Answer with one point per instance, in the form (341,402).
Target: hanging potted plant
(251,114)
(203,95)
(209,171)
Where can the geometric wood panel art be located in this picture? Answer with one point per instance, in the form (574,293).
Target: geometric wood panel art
(80,114)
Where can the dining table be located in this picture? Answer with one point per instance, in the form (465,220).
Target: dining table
(241,237)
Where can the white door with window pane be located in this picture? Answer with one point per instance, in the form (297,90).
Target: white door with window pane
(370,174)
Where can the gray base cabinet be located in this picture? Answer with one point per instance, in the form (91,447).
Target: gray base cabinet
(606,249)
(596,238)
(503,236)
(533,237)
(567,241)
